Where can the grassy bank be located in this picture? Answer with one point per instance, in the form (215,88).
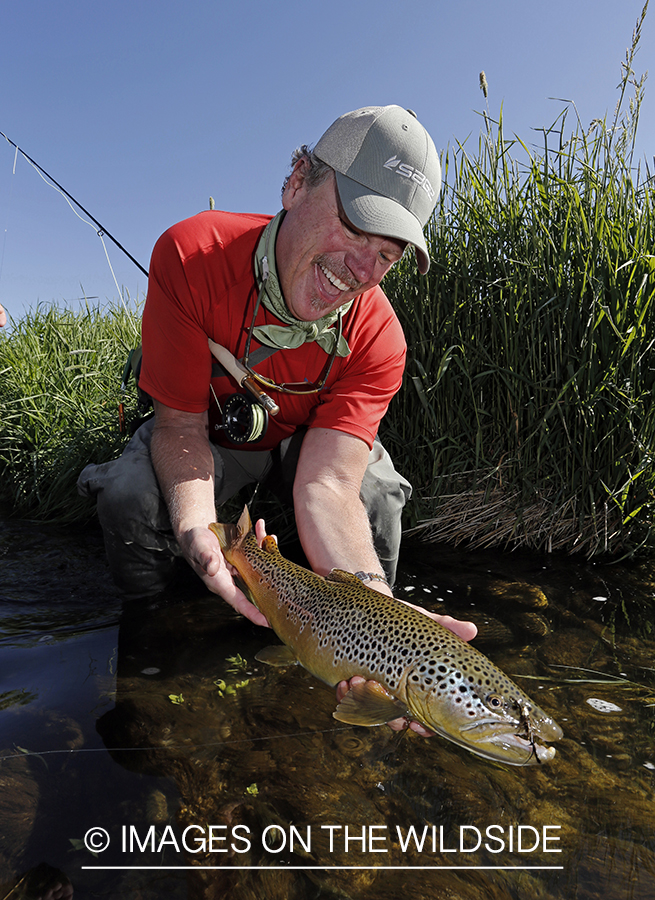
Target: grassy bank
(526,415)
(59,394)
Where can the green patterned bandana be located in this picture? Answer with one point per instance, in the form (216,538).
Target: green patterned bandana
(294,333)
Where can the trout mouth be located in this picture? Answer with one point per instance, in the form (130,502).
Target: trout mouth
(516,746)
(504,742)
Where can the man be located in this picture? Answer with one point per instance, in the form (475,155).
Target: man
(302,288)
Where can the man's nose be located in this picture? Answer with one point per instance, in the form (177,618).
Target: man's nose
(361,263)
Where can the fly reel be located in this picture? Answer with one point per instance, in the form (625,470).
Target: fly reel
(245,421)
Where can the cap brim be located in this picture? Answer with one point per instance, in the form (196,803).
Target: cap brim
(377,214)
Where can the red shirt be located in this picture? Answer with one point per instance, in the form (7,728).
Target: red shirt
(202,284)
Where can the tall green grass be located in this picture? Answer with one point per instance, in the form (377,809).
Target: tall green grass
(526,414)
(60,387)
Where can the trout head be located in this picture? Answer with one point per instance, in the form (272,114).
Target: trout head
(478,707)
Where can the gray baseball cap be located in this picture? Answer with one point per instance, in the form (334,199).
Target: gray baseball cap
(388,173)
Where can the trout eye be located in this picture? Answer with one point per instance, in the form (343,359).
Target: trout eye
(494,701)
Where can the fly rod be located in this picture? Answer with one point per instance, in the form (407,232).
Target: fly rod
(102,229)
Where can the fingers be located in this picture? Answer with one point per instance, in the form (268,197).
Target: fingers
(403,723)
(203,552)
(464,630)
(239,602)
(344,686)
(260,532)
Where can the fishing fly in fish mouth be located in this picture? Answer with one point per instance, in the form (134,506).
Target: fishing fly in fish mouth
(337,628)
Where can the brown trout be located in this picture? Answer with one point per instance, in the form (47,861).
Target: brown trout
(336,628)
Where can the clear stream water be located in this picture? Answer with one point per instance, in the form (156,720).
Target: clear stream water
(157,725)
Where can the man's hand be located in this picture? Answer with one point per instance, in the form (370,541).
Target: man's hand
(203,552)
(465,630)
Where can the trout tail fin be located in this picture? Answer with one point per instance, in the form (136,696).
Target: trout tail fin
(244,525)
(232,535)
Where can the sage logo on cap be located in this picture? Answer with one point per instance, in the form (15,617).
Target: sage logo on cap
(408,171)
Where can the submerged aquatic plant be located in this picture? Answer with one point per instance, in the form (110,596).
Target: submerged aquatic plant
(526,415)
(593,676)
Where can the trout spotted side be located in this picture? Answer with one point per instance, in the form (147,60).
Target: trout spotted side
(336,628)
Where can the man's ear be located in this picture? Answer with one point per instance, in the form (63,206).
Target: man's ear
(295,183)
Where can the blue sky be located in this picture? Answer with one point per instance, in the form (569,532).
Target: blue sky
(142,110)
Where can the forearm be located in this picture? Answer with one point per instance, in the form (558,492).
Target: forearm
(184,465)
(334,530)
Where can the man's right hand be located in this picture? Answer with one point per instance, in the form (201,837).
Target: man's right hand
(183,462)
(203,552)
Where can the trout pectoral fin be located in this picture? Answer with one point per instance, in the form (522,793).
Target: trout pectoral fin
(368,703)
(343,577)
(278,655)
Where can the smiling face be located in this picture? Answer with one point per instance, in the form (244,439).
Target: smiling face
(322,260)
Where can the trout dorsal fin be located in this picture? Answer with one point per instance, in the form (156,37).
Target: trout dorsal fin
(244,525)
(343,577)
